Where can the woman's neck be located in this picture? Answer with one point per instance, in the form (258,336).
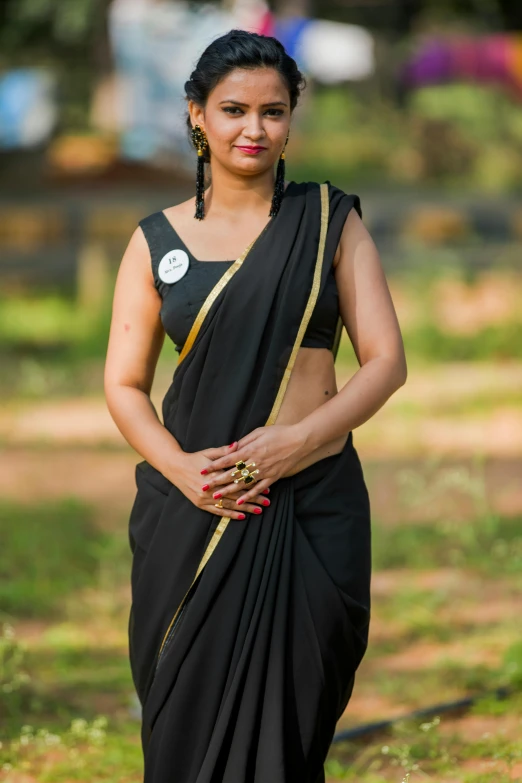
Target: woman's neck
(239,195)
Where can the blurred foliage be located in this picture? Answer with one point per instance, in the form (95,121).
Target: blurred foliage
(37,25)
(51,344)
(45,552)
(491,545)
(68,38)
(461,136)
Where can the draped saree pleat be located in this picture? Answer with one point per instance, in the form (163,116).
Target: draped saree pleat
(244,636)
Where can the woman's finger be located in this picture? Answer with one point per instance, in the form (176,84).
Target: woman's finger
(215,480)
(251,508)
(226,512)
(255,506)
(247,495)
(246,440)
(260,486)
(223,460)
(260,498)
(218,453)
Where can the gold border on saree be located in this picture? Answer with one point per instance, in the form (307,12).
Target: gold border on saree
(312,298)
(209,301)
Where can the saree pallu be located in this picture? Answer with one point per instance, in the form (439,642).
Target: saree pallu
(245,635)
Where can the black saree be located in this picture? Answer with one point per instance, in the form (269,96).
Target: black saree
(244,636)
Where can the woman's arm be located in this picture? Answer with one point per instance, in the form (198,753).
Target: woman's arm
(135,341)
(369,316)
(367,312)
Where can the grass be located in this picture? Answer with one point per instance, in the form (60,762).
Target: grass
(67,709)
(97,750)
(491,547)
(46,552)
(418,750)
(51,345)
(499,342)
(66,696)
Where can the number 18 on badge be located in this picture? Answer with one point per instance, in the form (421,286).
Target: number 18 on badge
(173,266)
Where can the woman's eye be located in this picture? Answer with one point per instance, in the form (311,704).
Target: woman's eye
(236,109)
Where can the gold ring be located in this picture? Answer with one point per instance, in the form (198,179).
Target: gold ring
(248,478)
(242,468)
(219,504)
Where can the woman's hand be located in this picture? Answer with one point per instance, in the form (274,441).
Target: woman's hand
(275,449)
(188,479)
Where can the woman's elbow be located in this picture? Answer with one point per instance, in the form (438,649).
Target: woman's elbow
(401,369)
(396,368)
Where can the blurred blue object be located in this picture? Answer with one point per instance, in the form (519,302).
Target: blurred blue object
(288,31)
(28,107)
(156,46)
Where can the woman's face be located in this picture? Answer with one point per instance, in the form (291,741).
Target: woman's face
(246,120)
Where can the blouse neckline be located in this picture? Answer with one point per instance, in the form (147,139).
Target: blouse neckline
(219,261)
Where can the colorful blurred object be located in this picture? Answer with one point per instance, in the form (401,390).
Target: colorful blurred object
(28,110)
(492,59)
(156,45)
(330,52)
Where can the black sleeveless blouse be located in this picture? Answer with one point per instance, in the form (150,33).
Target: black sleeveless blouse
(182,300)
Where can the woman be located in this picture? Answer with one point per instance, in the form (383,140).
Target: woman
(250,613)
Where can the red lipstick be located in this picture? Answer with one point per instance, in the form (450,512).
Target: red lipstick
(251,150)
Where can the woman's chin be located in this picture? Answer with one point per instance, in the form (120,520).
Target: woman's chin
(251,168)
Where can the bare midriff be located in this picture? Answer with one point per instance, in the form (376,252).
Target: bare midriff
(312,383)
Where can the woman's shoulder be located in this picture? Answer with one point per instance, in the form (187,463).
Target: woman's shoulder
(340,198)
(175,211)
(333,189)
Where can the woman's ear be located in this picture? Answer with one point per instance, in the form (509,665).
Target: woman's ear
(196,114)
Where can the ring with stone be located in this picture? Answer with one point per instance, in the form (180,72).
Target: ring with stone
(247,477)
(242,468)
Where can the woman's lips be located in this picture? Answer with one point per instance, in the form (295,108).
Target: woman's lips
(251,150)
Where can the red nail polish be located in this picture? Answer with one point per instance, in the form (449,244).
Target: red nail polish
(232,444)
(258,511)
(265,491)
(204,471)
(266,502)
(240,516)
(240,501)
(205,486)
(216,495)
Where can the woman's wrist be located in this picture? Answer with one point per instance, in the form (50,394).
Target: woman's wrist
(171,464)
(303,439)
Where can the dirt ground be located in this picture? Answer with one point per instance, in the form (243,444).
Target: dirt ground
(463,421)
(465,417)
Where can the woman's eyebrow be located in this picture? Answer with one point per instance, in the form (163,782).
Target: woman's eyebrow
(239,103)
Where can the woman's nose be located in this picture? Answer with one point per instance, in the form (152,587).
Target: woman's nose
(254,130)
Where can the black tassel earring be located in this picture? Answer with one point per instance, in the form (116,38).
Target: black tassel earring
(200,141)
(279,187)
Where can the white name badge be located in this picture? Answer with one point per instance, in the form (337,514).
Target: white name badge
(173,266)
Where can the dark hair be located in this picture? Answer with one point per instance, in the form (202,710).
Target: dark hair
(241,49)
